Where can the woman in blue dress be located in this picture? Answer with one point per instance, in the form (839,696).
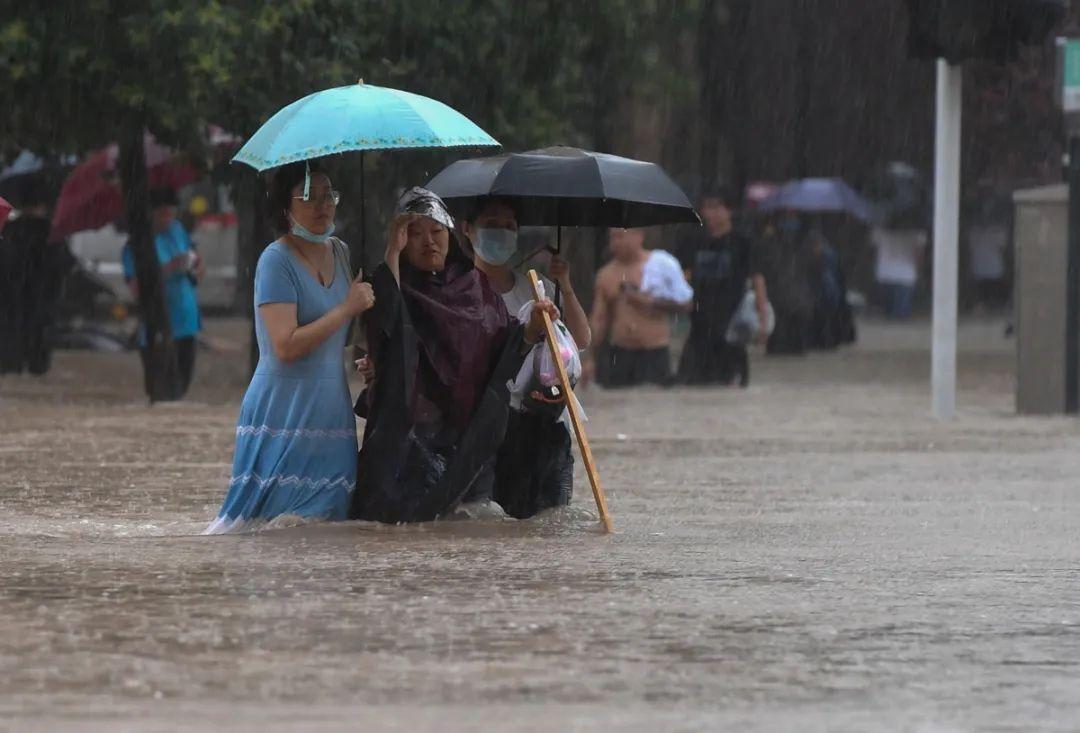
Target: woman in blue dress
(296,435)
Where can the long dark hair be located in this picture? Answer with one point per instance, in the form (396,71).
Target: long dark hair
(279,198)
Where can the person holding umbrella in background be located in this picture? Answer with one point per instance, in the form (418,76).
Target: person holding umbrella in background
(181,269)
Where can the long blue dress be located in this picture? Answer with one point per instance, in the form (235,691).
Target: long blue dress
(296,435)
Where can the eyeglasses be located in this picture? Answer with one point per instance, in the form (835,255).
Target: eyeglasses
(330,199)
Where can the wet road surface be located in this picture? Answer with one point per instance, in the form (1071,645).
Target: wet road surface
(813,553)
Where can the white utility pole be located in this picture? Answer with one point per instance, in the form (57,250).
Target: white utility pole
(946,237)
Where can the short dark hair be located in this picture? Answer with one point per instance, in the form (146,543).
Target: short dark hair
(279,198)
(482,202)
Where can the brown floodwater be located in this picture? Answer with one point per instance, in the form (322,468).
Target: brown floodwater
(813,553)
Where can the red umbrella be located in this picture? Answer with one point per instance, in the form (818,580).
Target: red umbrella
(91,197)
(5,209)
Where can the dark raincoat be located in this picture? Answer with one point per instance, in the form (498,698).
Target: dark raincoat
(444,349)
(32,273)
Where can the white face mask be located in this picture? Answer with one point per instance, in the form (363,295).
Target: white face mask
(299,230)
(495,246)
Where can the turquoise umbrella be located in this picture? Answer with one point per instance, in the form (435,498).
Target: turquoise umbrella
(358,117)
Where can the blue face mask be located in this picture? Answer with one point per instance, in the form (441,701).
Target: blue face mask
(298,230)
(495,246)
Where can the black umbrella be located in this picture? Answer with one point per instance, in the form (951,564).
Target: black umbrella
(563,186)
(568,187)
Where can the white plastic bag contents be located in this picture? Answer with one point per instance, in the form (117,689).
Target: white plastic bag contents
(663,278)
(546,369)
(539,372)
(745,325)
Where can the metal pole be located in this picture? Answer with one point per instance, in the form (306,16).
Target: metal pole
(558,251)
(946,237)
(359,267)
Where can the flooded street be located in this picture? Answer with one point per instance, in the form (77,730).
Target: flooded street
(812,553)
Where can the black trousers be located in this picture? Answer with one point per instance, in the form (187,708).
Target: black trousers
(791,334)
(534,468)
(185,363)
(632,367)
(708,358)
(31,277)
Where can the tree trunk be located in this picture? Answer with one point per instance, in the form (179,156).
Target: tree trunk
(249,198)
(161,374)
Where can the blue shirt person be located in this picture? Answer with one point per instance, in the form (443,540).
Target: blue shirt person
(180,270)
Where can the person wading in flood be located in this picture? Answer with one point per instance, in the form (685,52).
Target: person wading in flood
(444,348)
(720,264)
(296,436)
(534,468)
(32,270)
(636,323)
(181,270)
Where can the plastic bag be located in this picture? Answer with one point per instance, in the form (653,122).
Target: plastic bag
(745,325)
(662,277)
(536,388)
(547,370)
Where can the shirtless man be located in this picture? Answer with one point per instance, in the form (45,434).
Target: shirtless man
(635,324)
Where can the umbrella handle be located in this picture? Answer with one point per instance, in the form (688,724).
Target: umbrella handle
(363,213)
(558,251)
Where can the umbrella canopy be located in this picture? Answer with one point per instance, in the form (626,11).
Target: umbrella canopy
(356,118)
(90,197)
(820,195)
(5,209)
(562,186)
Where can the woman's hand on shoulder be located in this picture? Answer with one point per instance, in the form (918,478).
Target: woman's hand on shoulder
(360,298)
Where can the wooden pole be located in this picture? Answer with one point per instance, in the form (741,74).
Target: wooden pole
(575,415)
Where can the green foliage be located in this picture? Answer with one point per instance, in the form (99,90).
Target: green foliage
(531,73)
